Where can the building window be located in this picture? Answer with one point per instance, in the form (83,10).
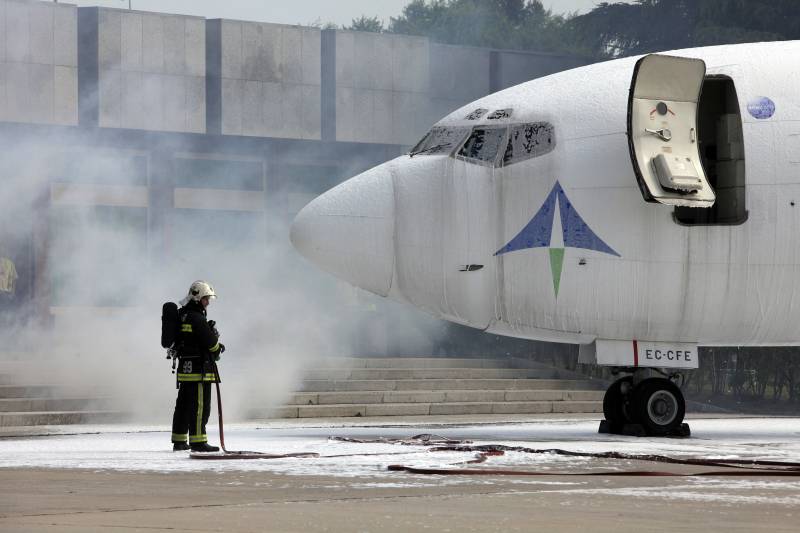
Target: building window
(217,173)
(98,255)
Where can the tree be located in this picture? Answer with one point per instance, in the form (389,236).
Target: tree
(323,25)
(368,24)
(514,24)
(736,21)
(619,29)
(612,29)
(623,29)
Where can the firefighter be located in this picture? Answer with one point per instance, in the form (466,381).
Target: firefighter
(198,348)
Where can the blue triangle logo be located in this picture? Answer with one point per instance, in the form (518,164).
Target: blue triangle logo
(576,232)
(538,231)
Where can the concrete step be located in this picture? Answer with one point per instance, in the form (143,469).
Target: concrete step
(52,404)
(424,408)
(568,395)
(318,385)
(46,391)
(426,373)
(424,362)
(443,396)
(55,418)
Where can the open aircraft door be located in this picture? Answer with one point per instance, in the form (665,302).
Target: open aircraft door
(662,131)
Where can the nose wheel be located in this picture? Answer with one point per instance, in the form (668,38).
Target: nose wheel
(651,407)
(616,404)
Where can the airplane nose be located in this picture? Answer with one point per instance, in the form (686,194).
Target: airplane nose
(349,231)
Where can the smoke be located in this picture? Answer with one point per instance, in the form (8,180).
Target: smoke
(86,215)
(93,277)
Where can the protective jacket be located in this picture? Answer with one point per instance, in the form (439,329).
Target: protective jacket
(198,344)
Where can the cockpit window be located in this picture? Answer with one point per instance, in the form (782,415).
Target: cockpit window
(440,140)
(478,113)
(483,144)
(529,140)
(500,113)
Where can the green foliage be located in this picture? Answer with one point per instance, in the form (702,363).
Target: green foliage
(617,29)
(622,29)
(323,25)
(368,24)
(512,24)
(611,29)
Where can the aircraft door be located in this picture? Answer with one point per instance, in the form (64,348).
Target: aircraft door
(469,271)
(662,131)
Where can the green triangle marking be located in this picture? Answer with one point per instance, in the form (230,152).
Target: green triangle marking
(556,265)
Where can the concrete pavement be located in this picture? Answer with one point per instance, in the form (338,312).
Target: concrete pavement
(85,501)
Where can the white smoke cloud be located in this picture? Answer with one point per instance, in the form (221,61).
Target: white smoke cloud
(107,271)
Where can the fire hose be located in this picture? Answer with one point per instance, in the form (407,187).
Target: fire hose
(238,454)
(435,443)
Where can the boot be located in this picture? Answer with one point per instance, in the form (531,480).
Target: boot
(179,446)
(204,447)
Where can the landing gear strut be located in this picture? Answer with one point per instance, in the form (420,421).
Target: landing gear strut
(642,405)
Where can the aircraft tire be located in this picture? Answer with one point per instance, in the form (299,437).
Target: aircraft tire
(659,406)
(614,404)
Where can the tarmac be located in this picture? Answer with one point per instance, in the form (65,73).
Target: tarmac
(111,478)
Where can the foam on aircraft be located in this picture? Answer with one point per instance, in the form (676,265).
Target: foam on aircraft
(640,207)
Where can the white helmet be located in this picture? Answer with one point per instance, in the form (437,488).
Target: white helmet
(199,290)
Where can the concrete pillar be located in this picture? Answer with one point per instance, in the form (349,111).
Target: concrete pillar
(214,77)
(328,84)
(88,66)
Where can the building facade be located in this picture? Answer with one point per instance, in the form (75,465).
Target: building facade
(129,137)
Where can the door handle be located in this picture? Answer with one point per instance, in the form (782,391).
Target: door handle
(663,134)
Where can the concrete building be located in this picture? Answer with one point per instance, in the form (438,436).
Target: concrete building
(38,63)
(150,130)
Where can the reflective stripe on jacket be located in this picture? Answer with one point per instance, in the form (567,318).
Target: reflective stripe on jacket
(198,345)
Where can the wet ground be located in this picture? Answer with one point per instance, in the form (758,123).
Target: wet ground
(118,478)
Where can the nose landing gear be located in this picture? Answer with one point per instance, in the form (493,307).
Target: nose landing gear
(644,406)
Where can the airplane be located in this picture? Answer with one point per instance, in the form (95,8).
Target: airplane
(641,208)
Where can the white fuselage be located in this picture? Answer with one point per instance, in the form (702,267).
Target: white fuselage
(427,229)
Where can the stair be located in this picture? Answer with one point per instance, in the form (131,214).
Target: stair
(48,404)
(417,386)
(347,387)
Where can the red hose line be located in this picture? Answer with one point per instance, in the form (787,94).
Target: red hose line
(237,454)
(634,473)
(744,467)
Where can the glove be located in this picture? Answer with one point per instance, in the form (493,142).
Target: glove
(219,352)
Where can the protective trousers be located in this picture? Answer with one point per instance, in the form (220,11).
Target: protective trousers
(192,409)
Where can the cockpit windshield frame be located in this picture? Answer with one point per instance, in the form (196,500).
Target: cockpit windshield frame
(441,140)
(514,143)
(527,141)
(475,144)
